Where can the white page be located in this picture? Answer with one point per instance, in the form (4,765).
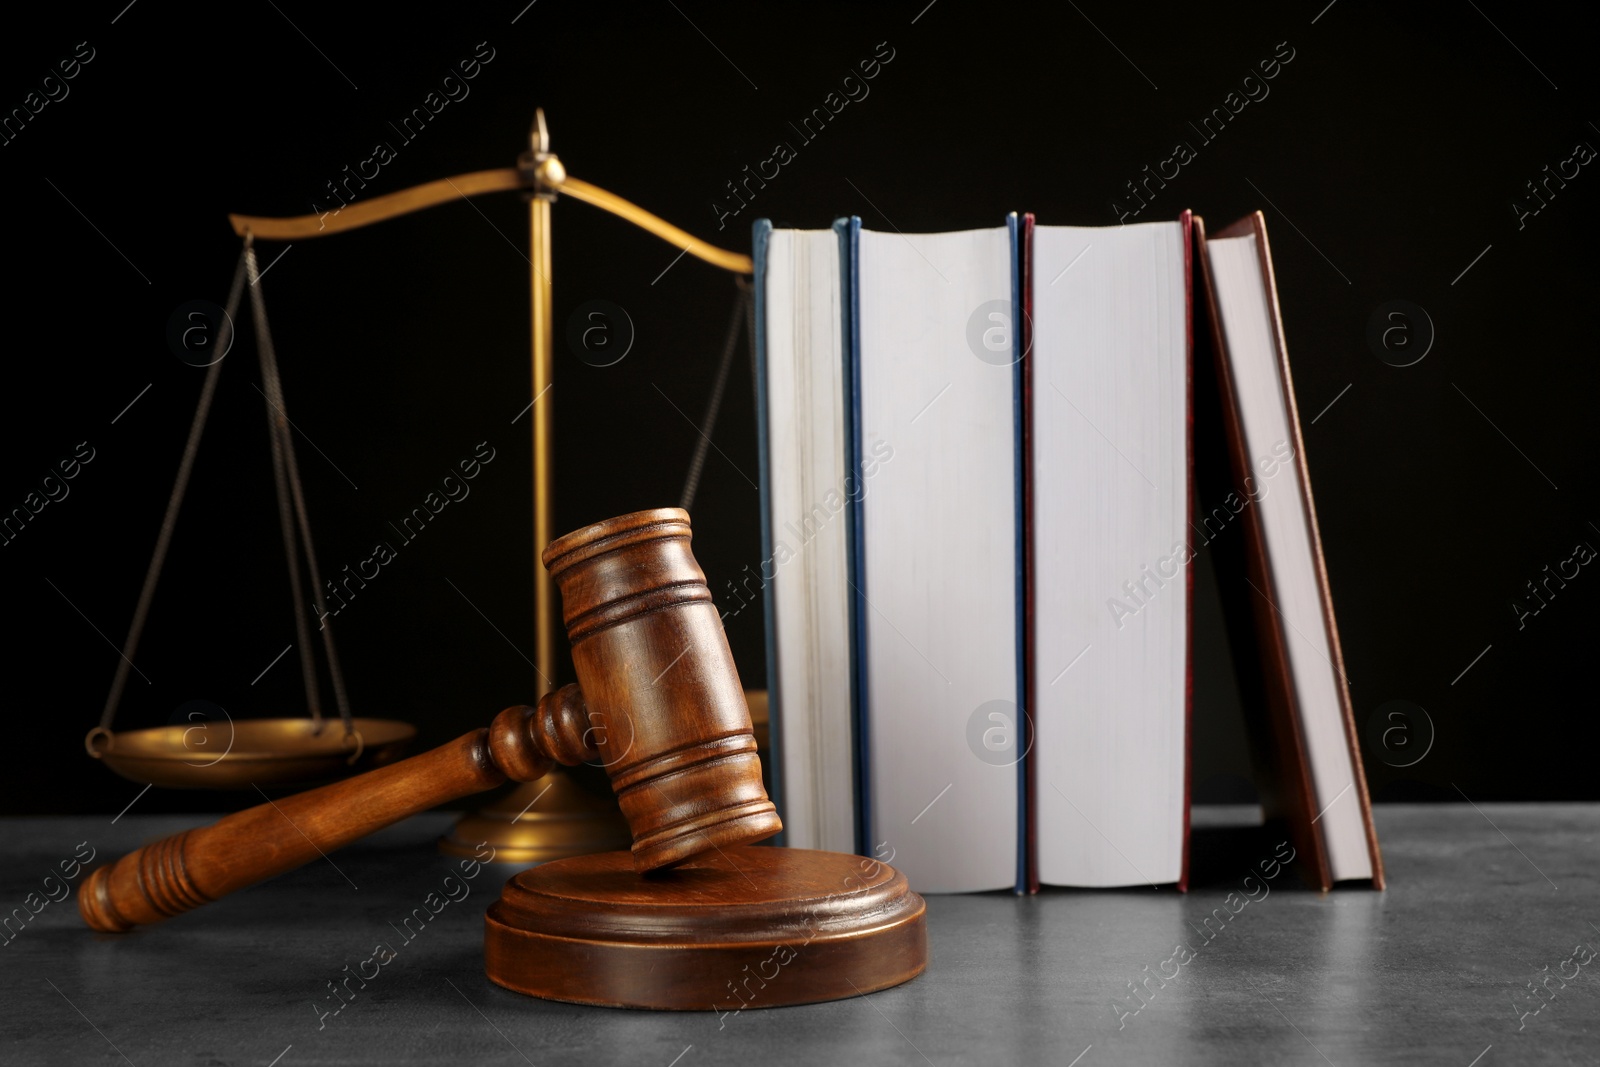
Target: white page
(940,560)
(1110,482)
(808,497)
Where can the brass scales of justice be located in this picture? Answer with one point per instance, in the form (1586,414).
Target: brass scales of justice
(295,752)
(692,916)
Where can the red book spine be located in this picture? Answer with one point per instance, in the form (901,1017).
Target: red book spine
(1030,773)
(1189,239)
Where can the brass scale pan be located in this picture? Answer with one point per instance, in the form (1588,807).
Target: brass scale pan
(250,752)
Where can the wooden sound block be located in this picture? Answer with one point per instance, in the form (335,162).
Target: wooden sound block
(735,928)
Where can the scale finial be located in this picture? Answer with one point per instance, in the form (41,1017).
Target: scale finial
(539,135)
(539,167)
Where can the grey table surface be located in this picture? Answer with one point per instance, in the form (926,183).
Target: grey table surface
(1481,902)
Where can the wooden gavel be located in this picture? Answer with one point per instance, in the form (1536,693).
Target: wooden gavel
(658,702)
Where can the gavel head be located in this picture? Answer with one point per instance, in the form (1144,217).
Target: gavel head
(665,709)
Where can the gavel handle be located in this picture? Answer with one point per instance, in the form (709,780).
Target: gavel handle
(199,865)
(196,866)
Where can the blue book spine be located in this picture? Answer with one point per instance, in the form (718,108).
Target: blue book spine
(1018,414)
(849,233)
(761,232)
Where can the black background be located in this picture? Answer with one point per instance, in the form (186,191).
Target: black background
(1386,157)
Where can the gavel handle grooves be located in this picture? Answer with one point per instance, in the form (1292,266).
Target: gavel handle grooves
(200,865)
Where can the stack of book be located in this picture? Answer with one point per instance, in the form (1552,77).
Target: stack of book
(979,515)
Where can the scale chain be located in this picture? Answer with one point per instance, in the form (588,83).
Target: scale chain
(741,313)
(180,485)
(292,514)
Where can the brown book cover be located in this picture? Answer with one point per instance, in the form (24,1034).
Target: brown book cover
(1283,769)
